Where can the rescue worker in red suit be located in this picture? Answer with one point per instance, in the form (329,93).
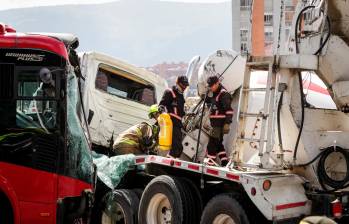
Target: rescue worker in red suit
(173,101)
(221,115)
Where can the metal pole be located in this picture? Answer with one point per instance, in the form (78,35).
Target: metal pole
(200,126)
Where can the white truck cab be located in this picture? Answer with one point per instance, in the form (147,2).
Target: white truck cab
(117,95)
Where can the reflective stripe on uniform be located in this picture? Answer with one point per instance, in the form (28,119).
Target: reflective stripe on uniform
(175,112)
(210,163)
(229,112)
(217,116)
(138,132)
(128,142)
(222,153)
(219,94)
(172,92)
(175,116)
(211,156)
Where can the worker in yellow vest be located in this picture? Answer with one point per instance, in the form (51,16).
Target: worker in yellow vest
(140,138)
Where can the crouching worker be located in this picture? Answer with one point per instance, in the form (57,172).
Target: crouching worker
(138,139)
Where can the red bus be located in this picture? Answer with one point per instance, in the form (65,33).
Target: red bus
(46,172)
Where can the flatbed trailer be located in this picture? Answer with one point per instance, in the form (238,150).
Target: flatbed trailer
(261,193)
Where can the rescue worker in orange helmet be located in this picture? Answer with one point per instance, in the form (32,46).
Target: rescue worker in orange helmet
(173,101)
(221,115)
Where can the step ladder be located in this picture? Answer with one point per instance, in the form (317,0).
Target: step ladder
(265,141)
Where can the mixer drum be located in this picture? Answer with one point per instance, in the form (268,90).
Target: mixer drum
(227,62)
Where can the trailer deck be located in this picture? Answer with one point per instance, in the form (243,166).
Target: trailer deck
(284,199)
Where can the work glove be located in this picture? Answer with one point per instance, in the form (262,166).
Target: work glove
(226,128)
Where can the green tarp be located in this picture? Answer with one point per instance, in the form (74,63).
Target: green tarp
(111,170)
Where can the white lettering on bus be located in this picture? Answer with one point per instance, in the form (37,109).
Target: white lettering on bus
(26,57)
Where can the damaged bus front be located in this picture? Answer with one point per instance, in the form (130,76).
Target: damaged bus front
(46,171)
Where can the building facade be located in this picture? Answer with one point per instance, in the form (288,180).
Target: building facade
(256,24)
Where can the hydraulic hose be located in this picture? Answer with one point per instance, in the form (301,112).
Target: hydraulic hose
(297,26)
(300,81)
(324,179)
(302,118)
(297,22)
(278,121)
(327,37)
(299,74)
(311,161)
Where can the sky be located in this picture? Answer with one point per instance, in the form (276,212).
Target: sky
(10,4)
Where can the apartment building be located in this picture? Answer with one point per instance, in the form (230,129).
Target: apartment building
(255,23)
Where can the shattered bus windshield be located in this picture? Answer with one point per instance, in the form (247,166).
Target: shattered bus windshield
(34,104)
(39,125)
(32,111)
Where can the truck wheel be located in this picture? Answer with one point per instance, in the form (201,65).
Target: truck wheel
(196,204)
(188,202)
(6,213)
(163,201)
(223,209)
(121,206)
(138,192)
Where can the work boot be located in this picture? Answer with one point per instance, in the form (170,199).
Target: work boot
(224,163)
(223,158)
(210,162)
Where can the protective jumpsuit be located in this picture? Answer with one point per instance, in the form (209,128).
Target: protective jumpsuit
(221,113)
(138,139)
(173,100)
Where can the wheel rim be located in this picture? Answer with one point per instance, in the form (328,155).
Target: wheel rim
(117,218)
(223,219)
(159,210)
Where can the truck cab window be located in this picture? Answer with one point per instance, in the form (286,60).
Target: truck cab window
(125,85)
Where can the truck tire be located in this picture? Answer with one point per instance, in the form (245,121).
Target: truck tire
(121,206)
(165,200)
(196,203)
(223,209)
(189,213)
(138,192)
(6,212)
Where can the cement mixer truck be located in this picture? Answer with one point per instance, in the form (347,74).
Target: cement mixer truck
(288,156)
